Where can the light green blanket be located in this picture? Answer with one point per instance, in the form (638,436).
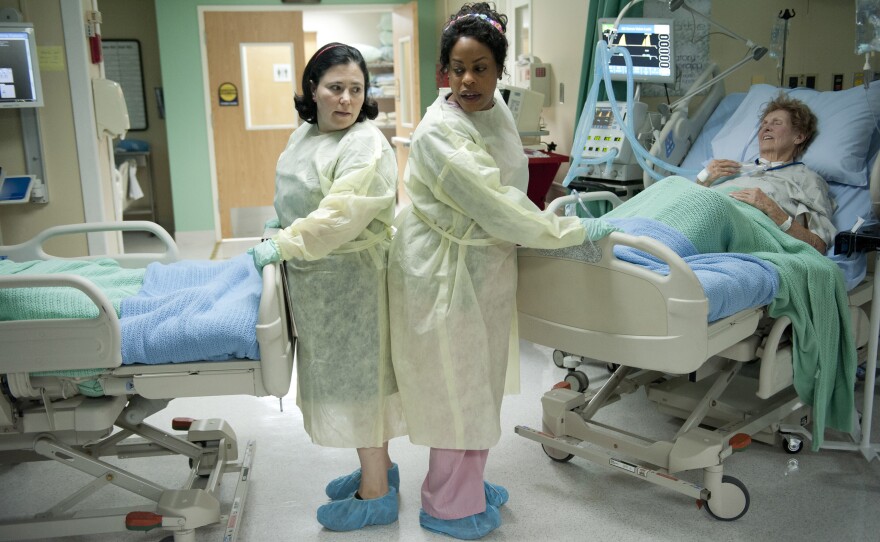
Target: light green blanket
(811,288)
(48,303)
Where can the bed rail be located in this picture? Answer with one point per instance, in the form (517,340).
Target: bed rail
(617,312)
(32,249)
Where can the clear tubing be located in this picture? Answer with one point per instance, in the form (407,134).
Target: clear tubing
(642,155)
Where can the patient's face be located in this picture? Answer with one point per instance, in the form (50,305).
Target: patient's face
(777,138)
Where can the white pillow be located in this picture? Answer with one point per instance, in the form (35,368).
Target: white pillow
(846,121)
(369,52)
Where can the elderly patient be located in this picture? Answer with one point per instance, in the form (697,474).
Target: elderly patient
(787,191)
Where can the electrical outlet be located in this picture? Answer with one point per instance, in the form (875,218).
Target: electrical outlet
(794,80)
(810,80)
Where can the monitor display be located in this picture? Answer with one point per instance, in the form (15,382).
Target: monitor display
(19,70)
(650,44)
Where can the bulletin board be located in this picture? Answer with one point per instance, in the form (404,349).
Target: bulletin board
(691,45)
(122,63)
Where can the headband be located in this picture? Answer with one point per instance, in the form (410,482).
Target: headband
(482,16)
(321,52)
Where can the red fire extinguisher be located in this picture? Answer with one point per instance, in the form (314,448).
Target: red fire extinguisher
(92,31)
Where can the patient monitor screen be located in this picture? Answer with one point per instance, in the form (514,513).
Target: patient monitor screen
(19,72)
(649,43)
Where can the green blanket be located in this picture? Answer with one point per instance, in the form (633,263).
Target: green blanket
(48,303)
(811,288)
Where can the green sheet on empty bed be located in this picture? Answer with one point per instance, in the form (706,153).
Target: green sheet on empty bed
(114,281)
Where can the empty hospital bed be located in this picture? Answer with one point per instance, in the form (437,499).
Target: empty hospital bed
(68,396)
(729,379)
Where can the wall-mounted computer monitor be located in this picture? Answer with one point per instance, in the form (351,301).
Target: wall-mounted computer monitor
(650,44)
(19,70)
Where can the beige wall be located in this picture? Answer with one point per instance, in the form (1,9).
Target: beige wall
(125,19)
(821,40)
(557,36)
(19,223)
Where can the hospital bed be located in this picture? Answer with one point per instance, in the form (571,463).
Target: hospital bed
(43,415)
(730,380)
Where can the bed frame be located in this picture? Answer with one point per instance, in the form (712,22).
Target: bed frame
(44,418)
(653,332)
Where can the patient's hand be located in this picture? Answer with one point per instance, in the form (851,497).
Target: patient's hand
(759,200)
(720,168)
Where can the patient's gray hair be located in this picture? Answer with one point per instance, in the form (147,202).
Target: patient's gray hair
(803,121)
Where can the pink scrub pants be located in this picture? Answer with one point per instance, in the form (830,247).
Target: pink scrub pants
(453,487)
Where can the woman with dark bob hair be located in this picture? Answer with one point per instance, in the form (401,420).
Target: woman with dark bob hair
(335,189)
(452,274)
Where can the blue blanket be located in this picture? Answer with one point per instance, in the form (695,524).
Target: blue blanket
(732,281)
(192,311)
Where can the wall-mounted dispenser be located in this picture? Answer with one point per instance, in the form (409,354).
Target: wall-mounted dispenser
(111,114)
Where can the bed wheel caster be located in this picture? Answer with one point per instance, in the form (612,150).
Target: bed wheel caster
(559,358)
(792,444)
(735,500)
(612,367)
(578,380)
(556,455)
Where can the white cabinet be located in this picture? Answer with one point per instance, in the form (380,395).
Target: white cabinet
(384,91)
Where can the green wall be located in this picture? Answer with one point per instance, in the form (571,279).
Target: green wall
(178,27)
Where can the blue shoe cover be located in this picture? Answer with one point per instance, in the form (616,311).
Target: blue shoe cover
(468,528)
(351,514)
(495,495)
(345,486)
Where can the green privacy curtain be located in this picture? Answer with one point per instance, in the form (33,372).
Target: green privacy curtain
(598,9)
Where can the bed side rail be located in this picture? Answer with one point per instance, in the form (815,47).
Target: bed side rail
(33,248)
(875,186)
(614,311)
(558,203)
(680,131)
(60,344)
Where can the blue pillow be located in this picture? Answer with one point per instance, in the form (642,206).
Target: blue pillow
(847,120)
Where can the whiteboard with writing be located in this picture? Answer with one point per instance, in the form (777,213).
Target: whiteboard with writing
(122,63)
(691,34)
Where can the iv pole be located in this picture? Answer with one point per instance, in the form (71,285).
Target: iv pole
(785,15)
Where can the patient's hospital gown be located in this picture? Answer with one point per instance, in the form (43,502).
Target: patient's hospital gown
(452,272)
(335,192)
(798,190)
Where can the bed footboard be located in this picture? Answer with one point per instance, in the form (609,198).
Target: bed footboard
(275,333)
(60,344)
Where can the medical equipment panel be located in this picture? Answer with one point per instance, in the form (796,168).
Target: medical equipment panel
(525,105)
(606,135)
(649,42)
(20,84)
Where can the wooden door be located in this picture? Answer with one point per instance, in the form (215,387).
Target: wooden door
(406,75)
(252,118)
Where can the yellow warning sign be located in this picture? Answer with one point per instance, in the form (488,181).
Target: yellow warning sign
(228,94)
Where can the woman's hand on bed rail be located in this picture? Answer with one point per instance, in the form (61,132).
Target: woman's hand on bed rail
(265,253)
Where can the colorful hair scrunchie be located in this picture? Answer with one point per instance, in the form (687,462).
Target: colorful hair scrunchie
(482,16)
